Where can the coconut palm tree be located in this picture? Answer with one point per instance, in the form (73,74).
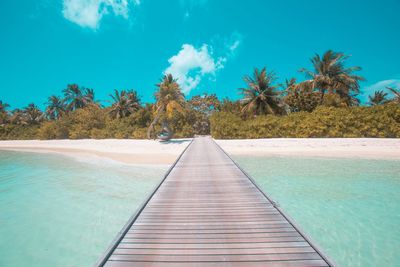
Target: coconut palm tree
(17,117)
(261,95)
(124,104)
(169,98)
(379,98)
(3,112)
(396,94)
(331,76)
(74,97)
(88,96)
(55,108)
(3,106)
(32,114)
(134,99)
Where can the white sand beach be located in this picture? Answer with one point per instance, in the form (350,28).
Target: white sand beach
(122,150)
(153,152)
(371,148)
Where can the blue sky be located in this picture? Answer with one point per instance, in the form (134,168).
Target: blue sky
(208,45)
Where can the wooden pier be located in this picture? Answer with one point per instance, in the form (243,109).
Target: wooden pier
(208,212)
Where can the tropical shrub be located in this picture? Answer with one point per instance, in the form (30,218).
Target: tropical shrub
(53,130)
(377,121)
(18,132)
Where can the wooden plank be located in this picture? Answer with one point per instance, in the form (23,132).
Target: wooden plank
(213,208)
(221,251)
(207,212)
(208,236)
(215,232)
(215,224)
(296,263)
(202,227)
(218,258)
(215,246)
(197,240)
(150,213)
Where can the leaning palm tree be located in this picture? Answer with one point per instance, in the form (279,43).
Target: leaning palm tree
(261,95)
(124,104)
(55,107)
(73,97)
(169,98)
(379,98)
(331,76)
(396,94)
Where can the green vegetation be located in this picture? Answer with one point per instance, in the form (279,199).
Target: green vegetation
(261,95)
(377,121)
(379,98)
(324,105)
(170,102)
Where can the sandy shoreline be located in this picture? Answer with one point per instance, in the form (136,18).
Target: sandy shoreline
(368,148)
(120,150)
(154,152)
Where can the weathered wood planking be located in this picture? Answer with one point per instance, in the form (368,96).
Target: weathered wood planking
(208,212)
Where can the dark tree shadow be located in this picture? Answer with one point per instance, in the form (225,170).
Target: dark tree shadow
(175,141)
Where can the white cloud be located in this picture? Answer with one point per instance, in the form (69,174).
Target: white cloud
(230,47)
(190,65)
(233,43)
(234,46)
(381,85)
(88,13)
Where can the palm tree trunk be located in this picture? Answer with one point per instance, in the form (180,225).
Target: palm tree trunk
(153,123)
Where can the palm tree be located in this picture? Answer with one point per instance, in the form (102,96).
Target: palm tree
(396,94)
(55,107)
(3,112)
(88,96)
(331,76)
(3,106)
(261,96)
(124,104)
(17,117)
(32,114)
(134,99)
(169,98)
(379,98)
(74,97)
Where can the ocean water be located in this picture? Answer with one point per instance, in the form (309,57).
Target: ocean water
(349,207)
(56,211)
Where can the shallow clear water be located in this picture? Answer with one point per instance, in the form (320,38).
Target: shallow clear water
(55,211)
(350,207)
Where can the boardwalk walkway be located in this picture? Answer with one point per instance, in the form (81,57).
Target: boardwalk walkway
(207,212)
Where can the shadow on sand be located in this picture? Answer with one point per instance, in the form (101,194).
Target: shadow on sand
(175,141)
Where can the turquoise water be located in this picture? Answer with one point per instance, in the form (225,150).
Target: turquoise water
(55,211)
(350,207)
